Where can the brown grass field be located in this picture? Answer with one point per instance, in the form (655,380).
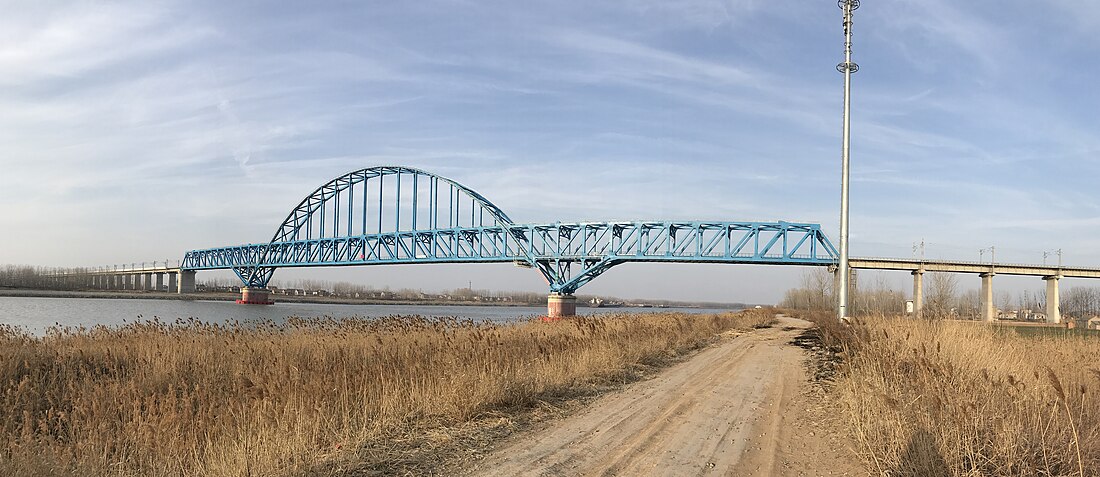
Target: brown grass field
(308,397)
(945,398)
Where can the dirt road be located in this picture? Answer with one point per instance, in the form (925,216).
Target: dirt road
(741,408)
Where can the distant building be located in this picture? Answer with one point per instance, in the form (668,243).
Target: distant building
(1093,323)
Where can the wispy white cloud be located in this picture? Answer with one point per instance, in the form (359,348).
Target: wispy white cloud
(45,43)
(707,14)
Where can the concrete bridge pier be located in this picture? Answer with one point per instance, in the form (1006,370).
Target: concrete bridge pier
(988,310)
(149,281)
(255,296)
(135,281)
(160,281)
(918,293)
(172,282)
(1054,315)
(187,281)
(560,305)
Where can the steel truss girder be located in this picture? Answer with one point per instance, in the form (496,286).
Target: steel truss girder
(569,255)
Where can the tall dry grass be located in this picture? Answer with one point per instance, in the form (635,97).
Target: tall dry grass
(945,398)
(197,399)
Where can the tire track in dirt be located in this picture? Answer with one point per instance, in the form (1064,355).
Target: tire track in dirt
(723,412)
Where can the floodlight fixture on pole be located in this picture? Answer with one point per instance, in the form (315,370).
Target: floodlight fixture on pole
(847,68)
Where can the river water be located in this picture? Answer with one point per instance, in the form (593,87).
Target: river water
(35,314)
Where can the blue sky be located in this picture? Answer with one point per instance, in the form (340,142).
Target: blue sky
(135,131)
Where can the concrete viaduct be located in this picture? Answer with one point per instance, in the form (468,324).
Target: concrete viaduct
(138,278)
(1050,274)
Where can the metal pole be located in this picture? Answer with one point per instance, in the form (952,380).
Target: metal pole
(847,67)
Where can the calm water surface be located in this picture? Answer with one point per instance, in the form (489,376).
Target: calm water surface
(36,314)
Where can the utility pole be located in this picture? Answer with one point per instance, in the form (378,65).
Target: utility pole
(847,67)
(1053,252)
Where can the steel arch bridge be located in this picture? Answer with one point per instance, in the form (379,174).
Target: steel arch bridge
(400,215)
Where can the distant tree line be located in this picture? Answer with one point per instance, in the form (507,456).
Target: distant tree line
(39,278)
(52,278)
(818,292)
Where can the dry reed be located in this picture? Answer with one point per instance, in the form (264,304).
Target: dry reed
(946,398)
(196,399)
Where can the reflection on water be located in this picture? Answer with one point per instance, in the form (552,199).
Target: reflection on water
(35,314)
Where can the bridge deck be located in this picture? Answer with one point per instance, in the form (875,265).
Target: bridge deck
(954,266)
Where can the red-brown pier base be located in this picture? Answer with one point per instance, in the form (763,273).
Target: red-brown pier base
(255,296)
(559,305)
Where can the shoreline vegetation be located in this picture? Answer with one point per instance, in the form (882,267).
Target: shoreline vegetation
(29,281)
(940,397)
(328,300)
(397,395)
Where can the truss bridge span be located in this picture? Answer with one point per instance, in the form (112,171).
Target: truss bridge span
(400,215)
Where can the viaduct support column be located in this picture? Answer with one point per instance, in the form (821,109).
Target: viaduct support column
(149,281)
(172,287)
(987,297)
(187,281)
(918,293)
(1054,314)
(135,281)
(561,304)
(160,281)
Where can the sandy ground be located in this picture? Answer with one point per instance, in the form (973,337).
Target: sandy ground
(744,407)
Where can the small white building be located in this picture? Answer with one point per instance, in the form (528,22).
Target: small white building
(1093,323)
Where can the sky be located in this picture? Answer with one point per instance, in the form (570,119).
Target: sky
(135,131)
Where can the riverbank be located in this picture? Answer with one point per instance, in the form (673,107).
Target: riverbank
(323,396)
(215,296)
(329,300)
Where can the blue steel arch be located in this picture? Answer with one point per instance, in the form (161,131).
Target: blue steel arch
(394,214)
(298,217)
(299,223)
